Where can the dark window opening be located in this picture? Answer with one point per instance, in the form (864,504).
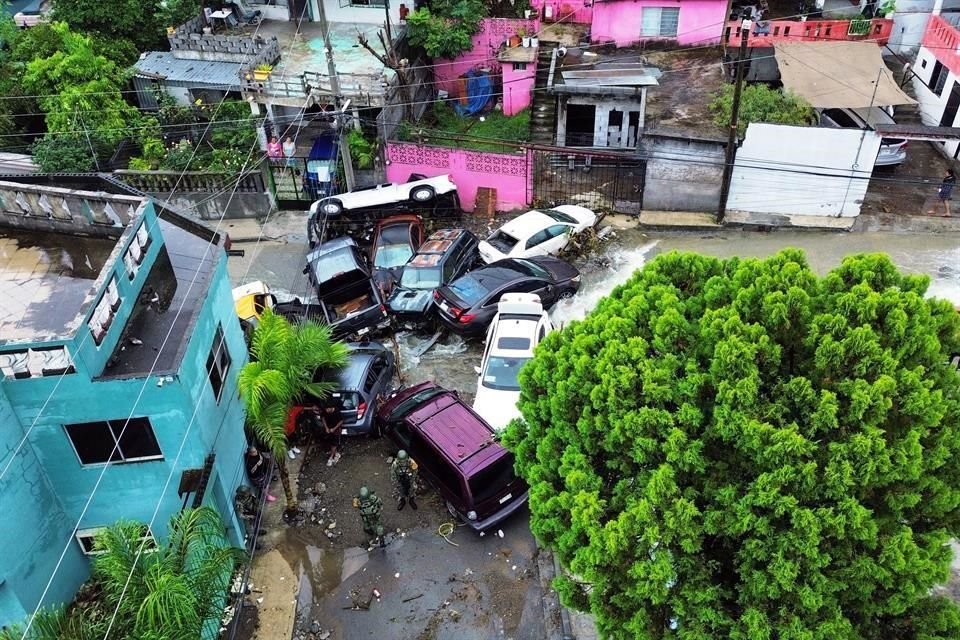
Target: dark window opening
(218,364)
(110,441)
(938,79)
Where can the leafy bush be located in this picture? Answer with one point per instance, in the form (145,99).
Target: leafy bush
(742,449)
(446,30)
(759,103)
(361,150)
(65,153)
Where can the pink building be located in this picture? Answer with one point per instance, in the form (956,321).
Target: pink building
(688,22)
(487,53)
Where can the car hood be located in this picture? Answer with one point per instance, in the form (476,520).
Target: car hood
(410,300)
(488,253)
(496,407)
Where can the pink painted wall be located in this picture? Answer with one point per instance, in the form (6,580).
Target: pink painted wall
(486,43)
(518,87)
(700,22)
(469,170)
(579,11)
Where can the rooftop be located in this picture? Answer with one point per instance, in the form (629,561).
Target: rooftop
(45,282)
(164,314)
(680,103)
(164,65)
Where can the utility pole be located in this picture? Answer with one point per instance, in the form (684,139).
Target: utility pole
(731,153)
(338,97)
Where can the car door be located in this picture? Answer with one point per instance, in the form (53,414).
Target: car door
(535,245)
(558,235)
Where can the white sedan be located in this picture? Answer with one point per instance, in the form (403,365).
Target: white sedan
(519,326)
(540,232)
(390,193)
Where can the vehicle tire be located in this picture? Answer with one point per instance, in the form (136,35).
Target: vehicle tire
(566,294)
(457,518)
(331,207)
(422,194)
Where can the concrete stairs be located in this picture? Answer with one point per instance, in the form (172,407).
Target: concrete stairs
(904,113)
(543,110)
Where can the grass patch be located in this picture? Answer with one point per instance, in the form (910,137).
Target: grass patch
(443,127)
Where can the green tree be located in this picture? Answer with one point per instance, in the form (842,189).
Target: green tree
(740,449)
(446,29)
(67,153)
(173,592)
(80,92)
(759,103)
(284,359)
(135,21)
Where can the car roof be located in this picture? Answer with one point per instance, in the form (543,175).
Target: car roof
(528,223)
(497,273)
(515,326)
(428,260)
(456,430)
(350,377)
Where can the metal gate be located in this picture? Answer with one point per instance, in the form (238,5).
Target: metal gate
(599,182)
(293,187)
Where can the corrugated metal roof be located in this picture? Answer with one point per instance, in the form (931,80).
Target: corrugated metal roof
(197,72)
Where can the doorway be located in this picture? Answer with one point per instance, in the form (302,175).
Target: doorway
(580,123)
(950,112)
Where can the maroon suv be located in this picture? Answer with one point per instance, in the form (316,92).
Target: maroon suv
(456,451)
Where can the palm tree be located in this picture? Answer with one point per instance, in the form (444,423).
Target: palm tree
(284,359)
(174,591)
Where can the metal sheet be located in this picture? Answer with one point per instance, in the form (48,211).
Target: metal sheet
(201,73)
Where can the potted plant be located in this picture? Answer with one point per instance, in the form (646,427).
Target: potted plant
(514,41)
(262,71)
(524,37)
(534,41)
(887,8)
(527,13)
(859,26)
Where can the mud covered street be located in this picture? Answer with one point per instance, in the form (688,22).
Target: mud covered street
(469,587)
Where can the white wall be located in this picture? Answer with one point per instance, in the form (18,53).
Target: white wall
(910,21)
(803,171)
(931,105)
(363,15)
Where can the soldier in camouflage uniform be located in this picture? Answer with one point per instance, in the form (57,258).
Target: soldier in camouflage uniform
(403,471)
(371,508)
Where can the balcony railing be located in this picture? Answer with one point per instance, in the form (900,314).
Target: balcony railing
(943,40)
(808,31)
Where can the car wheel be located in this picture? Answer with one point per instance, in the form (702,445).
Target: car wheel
(331,207)
(422,194)
(566,294)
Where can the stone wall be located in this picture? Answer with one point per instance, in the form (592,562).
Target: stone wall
(188,42)
(41,208)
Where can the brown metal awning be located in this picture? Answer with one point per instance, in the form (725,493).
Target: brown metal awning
(918,132)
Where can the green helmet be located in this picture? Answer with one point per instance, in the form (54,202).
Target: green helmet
(364,493)
(401,455)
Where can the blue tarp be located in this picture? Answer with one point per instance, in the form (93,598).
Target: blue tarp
(321,166)
(479,90)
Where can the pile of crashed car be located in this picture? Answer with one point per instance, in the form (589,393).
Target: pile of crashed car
(374,268)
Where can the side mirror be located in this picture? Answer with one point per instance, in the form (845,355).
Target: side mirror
(477,370)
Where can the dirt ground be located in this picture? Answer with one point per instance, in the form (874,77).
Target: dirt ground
(910,188)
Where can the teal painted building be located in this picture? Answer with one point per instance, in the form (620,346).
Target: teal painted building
(119,355)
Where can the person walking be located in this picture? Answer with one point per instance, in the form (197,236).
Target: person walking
(946,190)
(331,422)
(258,470)
(403,472)
(371,512)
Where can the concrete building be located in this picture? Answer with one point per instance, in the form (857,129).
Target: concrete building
(936,79)
(119,355)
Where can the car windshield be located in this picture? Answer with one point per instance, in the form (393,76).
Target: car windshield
(502,373)
(469,289)
(410,403)
(414,278)
(502,242)
(491,480)
(392,255)
(331,265)
(559,216)
(532,269)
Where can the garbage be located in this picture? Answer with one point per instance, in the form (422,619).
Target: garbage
(332,525)
(259,600)
(376,593)
(396,575)
(500,532)
(136,341)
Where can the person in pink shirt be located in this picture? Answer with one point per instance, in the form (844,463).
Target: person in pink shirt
(274,149)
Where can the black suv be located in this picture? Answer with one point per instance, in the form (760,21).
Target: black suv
(349,299)
(445,256)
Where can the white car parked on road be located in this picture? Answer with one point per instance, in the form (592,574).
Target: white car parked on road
(519,326)
(540,232)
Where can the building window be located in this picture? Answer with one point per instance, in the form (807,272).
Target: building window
(659,22)
(218,364)
(109,441)
(938,79)
(136,251)
(519,66)
(363,3)
(86,538)
(103,313)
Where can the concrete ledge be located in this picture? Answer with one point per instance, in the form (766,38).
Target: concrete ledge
(678,219)
(907,223)
(781,221)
